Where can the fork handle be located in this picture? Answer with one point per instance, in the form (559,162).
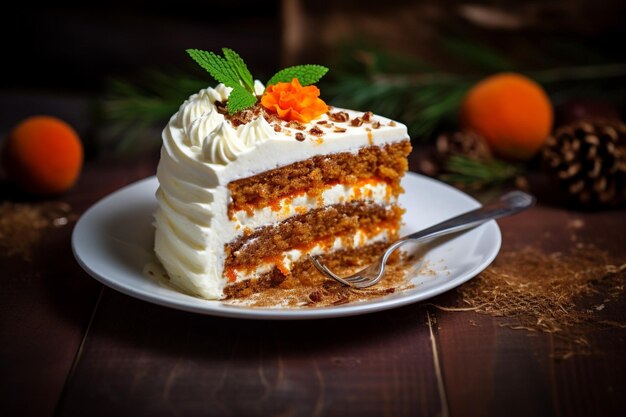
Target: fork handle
(509,204)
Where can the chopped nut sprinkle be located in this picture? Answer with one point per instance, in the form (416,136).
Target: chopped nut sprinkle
(367,117)
(244,116)
(340,116)
(271,118)
(339,129)
(277,128)
(299,136)
(356,121)
(221,107)
(392,123)
(294,124)
(316,131)
(376,125)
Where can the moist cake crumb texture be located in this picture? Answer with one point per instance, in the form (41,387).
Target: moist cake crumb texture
(387,163)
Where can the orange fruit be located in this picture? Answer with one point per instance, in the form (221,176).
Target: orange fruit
(43,155)
(512,112)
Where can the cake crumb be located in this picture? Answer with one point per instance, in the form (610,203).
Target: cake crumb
(576,223)
(556,293)
(309,289)
(23,225)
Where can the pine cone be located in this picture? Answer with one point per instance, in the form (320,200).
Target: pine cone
(466,143)
(588,161)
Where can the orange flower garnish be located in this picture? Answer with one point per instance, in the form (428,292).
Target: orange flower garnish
(291,101)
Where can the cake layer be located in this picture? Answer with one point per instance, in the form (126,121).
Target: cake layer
(286,260)
(307,229)
(388,163)
(186,224)
(303,272)
(371,191)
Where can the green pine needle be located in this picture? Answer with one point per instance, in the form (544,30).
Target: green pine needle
(464,170)
(480,56)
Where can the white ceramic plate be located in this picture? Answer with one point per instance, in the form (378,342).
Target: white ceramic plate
(113,242)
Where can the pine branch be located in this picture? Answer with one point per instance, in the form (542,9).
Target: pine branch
(463,170)
(405,88)
(130,109)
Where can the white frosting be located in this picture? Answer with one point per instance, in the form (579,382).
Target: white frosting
(222,145)
(202,152)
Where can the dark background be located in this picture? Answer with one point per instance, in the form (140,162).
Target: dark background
(70,47)
(65,46)
(75,52)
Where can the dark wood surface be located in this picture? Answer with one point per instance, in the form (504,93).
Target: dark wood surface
(70,347)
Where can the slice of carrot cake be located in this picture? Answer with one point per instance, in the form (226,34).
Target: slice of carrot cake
(246,193)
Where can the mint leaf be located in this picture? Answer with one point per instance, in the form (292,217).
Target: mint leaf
(306,74)
(218,67)
(232,71)
(237,63)
(240,99)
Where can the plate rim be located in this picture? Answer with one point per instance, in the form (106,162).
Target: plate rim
(218,308)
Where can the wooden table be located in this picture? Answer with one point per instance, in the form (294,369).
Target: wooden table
(71,347)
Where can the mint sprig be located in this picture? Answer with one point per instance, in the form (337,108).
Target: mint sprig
(233,72)
(306,74)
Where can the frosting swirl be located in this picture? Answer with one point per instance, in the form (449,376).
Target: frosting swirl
(222,145)
(207,132)
(255,132)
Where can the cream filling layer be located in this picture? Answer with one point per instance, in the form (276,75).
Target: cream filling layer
(378,192)
(289,258)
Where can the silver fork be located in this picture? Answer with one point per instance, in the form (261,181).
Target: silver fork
(509,204)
